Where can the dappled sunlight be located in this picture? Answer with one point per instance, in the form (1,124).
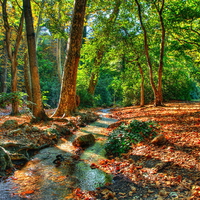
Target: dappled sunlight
(37,177)
(41,178)
(168,154)
(170,170)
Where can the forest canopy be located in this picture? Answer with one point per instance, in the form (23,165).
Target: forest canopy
(132,52)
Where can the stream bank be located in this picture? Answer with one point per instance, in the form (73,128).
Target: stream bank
(41,179)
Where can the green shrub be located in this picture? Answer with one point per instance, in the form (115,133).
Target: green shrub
(8,98)
(121,139)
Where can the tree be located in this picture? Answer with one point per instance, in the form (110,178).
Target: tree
(38,111)
(3,69)
(67,102)
(101,45)
(158,97)
(12,51)
(27,79)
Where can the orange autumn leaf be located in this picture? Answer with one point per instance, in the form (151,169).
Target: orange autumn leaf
(61,177)
(27,192)
(93,166)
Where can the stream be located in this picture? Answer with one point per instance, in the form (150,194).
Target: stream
(40,179)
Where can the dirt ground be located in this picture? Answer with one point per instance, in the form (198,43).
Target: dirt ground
(147,171)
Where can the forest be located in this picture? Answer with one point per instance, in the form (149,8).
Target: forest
(100,99)
(132,53)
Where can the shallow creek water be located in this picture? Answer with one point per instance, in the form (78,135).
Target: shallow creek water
(40,179)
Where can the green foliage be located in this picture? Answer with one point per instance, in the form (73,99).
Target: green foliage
(121,139)
(103,94)
(8,98)
(49,81)
(50,92)
(119,38)
(86,99)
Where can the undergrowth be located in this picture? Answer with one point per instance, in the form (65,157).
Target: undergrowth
(121,139)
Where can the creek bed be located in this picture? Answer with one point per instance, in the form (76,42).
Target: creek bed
(40,179)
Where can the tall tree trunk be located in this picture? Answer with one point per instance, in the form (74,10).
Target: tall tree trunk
(3,69)
(158,100)
(38,28)
(3,75)
(38,110)
(58,57)
(142,101)
(15,104)
(67,102)
(142,93)
(58,52)
(95,73)
(27,80)
(12,54)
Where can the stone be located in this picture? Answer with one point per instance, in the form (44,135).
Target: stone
(18,156)
(63,130)
(52,134)
(16,132)
(159,140)
(35,129)
(10,124)
(5,161)
(84,140)
(27,128)
(88,117)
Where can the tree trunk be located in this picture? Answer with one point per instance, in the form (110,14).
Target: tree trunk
(38,24)
(27,80)
(157,91)
(93,82)
(142,101)
(95,74)
(3,75)
(15,104)
(58,57)
(38,110)
(159,99)
(67,102)
(12,53)
(3,69)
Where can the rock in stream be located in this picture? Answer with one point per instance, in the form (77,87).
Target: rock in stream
(42,179)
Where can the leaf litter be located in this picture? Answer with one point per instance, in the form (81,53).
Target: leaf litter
(148,171)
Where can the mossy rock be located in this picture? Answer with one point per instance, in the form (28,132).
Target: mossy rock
(5,161)
(84,140)
(10,124)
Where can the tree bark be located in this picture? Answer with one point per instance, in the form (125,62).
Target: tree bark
(58,52)
(67,101)
(12,54)
(142,101)
(95,73)
(27,80)
(58,57)
(38,24)
(158,99)
(38,110)
(3,75)
(3,70)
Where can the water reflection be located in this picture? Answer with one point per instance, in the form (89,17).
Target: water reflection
(40,179)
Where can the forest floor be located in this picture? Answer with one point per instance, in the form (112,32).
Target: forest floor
(147,171)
